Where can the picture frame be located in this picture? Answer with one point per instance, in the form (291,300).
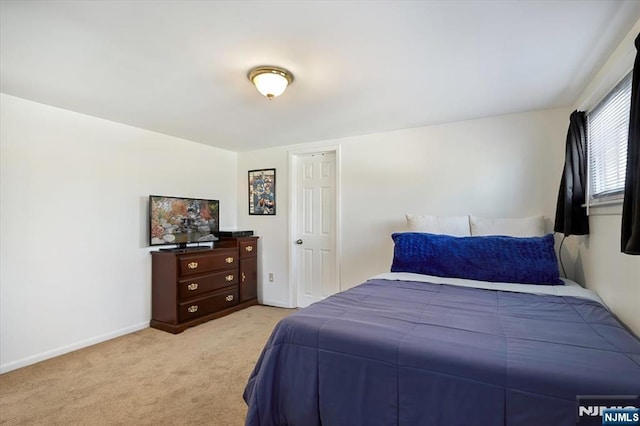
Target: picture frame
(262,192)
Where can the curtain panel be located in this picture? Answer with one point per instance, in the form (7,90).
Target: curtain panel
(571,217)
(630,236)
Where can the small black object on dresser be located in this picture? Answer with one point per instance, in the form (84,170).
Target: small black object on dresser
(191,287)
(236,234)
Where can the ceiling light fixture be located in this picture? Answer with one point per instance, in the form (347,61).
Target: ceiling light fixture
(270,81)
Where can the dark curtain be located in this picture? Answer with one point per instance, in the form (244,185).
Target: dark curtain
(630,239)
(571,217)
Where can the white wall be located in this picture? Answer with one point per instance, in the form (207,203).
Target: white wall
(75,266)
(599,263)
(610,273)
(507,166)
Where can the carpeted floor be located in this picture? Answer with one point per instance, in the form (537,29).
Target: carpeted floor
(145,378)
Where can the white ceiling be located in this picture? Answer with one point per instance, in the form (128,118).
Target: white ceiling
(179,67)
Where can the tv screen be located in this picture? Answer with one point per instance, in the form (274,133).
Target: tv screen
(181,221)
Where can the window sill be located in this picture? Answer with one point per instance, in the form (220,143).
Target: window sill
(603,208)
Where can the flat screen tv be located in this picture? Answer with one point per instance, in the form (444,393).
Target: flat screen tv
(181,221)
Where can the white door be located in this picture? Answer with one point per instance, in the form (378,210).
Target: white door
(315,245)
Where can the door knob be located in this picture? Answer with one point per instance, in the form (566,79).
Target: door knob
(299,241)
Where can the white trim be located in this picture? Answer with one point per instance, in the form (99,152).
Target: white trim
(275,303)
(605,207)
(606,86)
(293,186)
(613,208)
(4,368)
(616,67)
(595,203)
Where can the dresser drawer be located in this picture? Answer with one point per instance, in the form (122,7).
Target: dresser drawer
(200,284)
(207,305)
(212,261)
(248,247)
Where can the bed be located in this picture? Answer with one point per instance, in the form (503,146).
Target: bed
(414,348)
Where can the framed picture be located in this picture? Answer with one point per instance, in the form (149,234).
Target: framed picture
(262,192)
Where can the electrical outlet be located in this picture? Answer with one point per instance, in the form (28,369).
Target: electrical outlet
(270,277)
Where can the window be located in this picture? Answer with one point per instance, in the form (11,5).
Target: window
(607,133)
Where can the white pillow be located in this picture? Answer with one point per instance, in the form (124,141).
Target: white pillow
(457,226)
(518,227)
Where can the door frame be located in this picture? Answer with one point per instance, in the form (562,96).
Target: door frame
(293,215)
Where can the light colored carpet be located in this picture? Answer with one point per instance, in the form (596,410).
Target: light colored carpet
(145,378)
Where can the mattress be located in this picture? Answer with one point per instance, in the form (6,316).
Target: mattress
(403,349)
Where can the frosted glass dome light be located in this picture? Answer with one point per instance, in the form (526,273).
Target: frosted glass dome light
(270,81)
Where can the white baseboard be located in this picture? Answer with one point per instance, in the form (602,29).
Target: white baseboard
(277,304)
(4,368)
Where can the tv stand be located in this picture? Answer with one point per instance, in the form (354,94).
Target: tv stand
(196,284)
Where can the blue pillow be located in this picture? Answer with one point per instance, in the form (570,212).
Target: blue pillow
(490,258)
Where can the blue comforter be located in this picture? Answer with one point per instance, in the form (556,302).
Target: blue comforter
(409,353)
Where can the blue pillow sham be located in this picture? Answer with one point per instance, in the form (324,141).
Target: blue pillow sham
(494,258)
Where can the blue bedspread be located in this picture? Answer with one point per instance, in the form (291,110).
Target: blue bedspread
(409,353)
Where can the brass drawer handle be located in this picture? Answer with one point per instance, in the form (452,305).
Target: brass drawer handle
(229,260)
(229,298)
(249,248)
(192,265)
(244,277)
(229,278)
(192,286)
(193,308)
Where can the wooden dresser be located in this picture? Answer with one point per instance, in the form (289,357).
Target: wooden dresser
(248,253)
(191,287)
